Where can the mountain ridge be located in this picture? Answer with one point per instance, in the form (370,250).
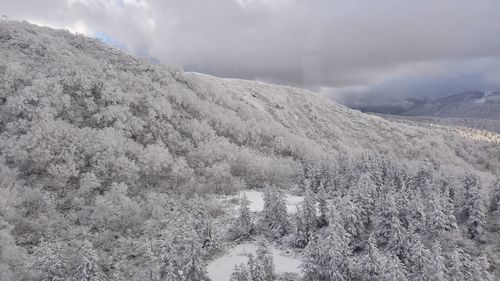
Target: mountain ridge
(307,125)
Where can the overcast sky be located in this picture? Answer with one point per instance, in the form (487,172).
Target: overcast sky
(354,51)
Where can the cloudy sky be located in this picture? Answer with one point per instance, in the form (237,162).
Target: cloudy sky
(354,51)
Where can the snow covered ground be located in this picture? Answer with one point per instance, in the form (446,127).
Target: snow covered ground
(257,202)
(221,268)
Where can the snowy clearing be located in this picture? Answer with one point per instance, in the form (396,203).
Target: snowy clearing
(257,202)
(221,268)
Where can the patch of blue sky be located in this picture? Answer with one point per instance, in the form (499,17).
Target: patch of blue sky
(105,38)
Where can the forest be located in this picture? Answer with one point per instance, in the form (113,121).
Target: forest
(116,168)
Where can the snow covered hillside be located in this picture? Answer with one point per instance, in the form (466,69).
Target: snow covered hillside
(113,168)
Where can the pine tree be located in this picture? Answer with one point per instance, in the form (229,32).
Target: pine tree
(389,231)
(418,260)
(394,269)
(322,197)
(169,270)
(256,270)
(300,235)
(475,208)
(437,270)
(441,217)
(89,269)
(51,264)
(417,219)
(241,273)
(495,196)
(243,226)
(480,269)
(327,256)
(265,261)
(194,269)
(308,212)
(456,265)
(352,217)
(313,264)
(372,263)
(495,205)
(274,215)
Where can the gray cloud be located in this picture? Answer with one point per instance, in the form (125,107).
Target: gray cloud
(349,50)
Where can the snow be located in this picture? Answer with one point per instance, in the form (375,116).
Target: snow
(257,202)
(221,268)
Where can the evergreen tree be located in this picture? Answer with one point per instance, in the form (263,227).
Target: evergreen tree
(441,217)
(327,256)
(169,270)
(308,221)
(417,219)
(243,226)
(194,269)
(418,260)
(475,208)
(256,269)
(394,269)
(352,217)
(89,269)
(437,270)
(480,269)
(389,230)
(322,197)
(51,263)
(241,273)
(300,236)
(495,196)
(372,263)
(456,265)
(265,261)
(274,215)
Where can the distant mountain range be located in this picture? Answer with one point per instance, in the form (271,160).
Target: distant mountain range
(474,104)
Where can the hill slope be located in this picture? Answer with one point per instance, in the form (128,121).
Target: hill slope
(99,146)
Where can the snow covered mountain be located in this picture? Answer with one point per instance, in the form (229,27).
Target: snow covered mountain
(80,83)
(113,167)
(470,105)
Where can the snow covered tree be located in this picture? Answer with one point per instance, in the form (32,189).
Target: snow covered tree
(437,270)
(456,261)
(480,269)
(89,269)
(299,235)
(327,256)
(13,259)
(351,215)
(495,196)
(255,268)
(418,260)
(307,221)
(265,261)
(169,270)
(242,228)
(389,231)
(371,264)
(241,273)
(322,198)
(51,264)
(275,220)
(475,207)
(441,217)
(194,268)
